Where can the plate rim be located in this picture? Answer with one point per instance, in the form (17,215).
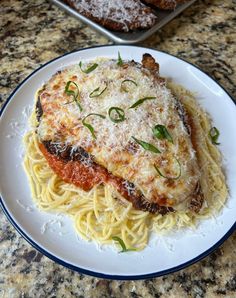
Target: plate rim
(86,271)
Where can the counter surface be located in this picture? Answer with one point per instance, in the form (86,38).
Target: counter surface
(33,32)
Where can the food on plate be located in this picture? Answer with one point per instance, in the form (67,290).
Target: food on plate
(116,15)
(123,151)
(164,4)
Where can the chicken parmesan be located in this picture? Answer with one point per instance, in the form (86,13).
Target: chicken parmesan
(111,130)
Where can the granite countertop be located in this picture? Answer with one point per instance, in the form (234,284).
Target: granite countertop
(33,32)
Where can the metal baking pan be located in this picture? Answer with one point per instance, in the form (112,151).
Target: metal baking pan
(130,37)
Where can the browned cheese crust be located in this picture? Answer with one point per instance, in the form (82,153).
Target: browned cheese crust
(149,63)
(138,200)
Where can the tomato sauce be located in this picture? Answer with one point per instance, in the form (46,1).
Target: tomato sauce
(75,172)
(86,177)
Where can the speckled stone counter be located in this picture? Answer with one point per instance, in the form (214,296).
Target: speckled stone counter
(33,32)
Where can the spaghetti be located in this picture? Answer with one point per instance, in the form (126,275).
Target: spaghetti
(98,216)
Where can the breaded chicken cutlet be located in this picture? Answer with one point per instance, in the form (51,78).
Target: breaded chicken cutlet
(164,4)
(110,154)
(126,15)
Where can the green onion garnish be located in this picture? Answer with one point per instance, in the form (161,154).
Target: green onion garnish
(123,83)
(147,146)
(75,93)
(140,101)
(122,244)
(161,132)
(120,61)
(96,92)
(89,126)
(214,135)
(173,178)
(89,69)
(118,114)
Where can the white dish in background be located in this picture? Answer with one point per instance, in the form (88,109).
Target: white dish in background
(54,235)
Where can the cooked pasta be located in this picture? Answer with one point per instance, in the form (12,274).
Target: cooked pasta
(99,216)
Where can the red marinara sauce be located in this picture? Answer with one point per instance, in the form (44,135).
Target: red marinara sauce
(86,177)
(75,172)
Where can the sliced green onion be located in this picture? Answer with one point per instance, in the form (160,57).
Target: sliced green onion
(122,244)
(89,69)
(96,92)
(140,101)
(123,84)
(214,135)
(119,114)
(173,178)
(161,132)
(89,126)
(147,146)
(120,61)
(75,94)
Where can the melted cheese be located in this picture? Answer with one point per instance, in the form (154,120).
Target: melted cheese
(113,147)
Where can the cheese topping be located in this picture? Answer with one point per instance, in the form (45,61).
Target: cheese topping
(113,145)
(127,13)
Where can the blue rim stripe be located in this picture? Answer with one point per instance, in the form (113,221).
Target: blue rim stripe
(92,273)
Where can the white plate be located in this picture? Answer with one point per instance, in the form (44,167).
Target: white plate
(59,241)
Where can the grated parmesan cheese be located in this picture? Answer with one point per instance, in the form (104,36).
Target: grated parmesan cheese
(123,15)
(62,123)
